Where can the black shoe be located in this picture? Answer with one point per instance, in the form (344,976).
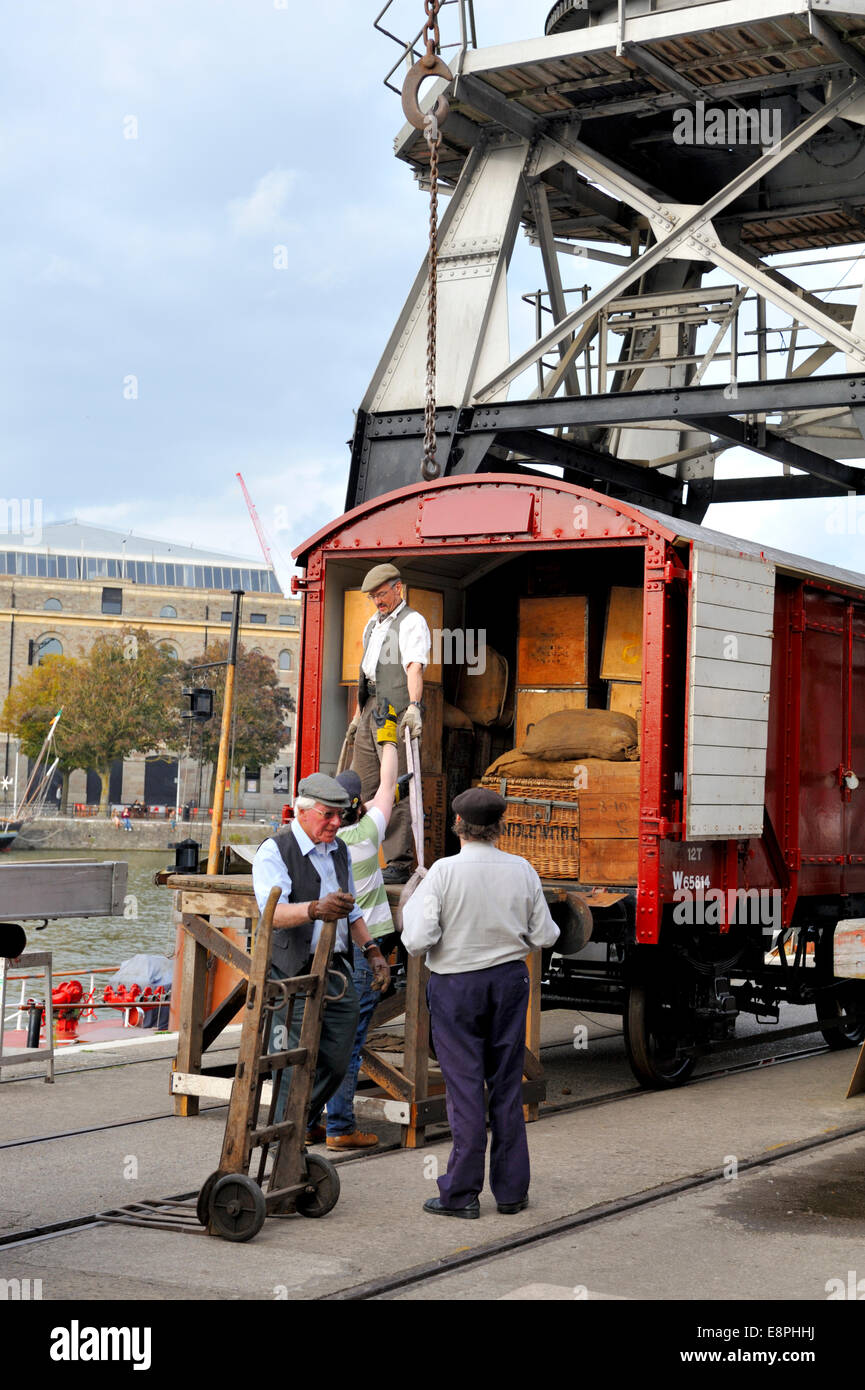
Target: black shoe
(395,873)
(469,1213)
(510,1208)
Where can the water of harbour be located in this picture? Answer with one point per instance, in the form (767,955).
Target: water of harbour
(79,942)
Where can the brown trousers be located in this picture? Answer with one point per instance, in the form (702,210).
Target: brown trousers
(398,843)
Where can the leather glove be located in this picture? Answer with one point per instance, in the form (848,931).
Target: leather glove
(380,970)
(334,906)
(386,726)
(411,720)
(351,731)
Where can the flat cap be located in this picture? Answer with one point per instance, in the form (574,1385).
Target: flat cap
(350,783)
(324,789)
(480,806)
(380,575)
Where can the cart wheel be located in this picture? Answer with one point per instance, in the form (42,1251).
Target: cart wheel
(237,1207)
(202,1206)
(323,1193)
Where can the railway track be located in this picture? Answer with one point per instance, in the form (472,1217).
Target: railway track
(56,1229)
(554,1230)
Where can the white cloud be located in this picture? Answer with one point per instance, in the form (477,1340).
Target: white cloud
(264,212)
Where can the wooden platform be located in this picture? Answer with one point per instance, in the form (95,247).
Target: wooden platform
(409,1091)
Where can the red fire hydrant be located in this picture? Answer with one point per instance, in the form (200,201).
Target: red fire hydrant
(68,992)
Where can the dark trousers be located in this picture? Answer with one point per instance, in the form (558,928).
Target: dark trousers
(398,843)
(338,1029)
(478,1028)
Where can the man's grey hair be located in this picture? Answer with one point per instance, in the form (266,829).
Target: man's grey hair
(488,834)
(304,803)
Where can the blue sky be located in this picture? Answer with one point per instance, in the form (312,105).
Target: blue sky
(153,155)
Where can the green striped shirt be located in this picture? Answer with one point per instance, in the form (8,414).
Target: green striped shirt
(363,841)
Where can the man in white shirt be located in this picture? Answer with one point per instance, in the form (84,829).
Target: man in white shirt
(396,647)
(478,915)
(313,870)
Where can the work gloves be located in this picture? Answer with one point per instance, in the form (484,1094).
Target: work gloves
(380,971)
(331,908)
(411,720)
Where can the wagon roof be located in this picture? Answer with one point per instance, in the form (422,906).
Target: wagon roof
(673,528)
(782,559)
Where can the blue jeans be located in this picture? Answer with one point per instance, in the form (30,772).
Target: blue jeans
(340,1107)
(338,1027)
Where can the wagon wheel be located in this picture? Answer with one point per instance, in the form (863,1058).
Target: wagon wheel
(323,1193)
(654,1026)
(202,1206)
(837,998)
(237,1207)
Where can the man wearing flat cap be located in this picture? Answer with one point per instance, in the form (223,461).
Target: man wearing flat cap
(396,647)
(478,914)
(313,869)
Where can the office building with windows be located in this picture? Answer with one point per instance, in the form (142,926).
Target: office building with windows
(75,582)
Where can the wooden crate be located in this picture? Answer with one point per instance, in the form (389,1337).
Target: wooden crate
(430,602)
(534,705)
(431,739)
(623,639)
(435,817)
(597,776)
(608,817)
(626,697)
(551,645)
(357,611)
(609,861)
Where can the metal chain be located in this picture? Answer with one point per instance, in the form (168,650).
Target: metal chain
(431,35)
(430,468)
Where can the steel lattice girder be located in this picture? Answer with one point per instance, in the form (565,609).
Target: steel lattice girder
(683,404)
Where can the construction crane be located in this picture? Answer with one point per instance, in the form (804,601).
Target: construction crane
(259,529)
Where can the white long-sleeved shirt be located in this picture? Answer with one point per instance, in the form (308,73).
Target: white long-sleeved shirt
(476,909)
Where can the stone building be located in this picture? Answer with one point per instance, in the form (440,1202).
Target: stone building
(62,590)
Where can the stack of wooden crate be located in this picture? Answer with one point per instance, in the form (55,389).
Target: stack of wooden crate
(622,660)
(584,828)
(552,671)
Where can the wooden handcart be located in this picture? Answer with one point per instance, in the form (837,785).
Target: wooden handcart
(236,1198)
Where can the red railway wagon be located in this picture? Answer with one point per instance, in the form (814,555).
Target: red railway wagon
(747,841)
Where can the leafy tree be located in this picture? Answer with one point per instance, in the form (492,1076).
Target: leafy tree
(31,705)
(259,708)
(125,699)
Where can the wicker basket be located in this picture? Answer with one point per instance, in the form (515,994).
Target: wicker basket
(542,823)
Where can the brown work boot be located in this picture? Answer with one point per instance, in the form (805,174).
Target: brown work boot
(315,1134)
(356,1140)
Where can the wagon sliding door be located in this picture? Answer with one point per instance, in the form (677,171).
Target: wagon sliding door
(729,664)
